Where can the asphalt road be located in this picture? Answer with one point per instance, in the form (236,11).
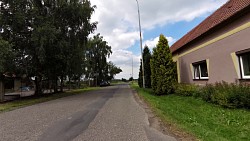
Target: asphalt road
(109,114)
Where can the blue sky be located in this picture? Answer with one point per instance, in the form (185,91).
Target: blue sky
(118,24)
(176,31)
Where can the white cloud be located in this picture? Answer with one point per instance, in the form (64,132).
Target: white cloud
(120,39)
(118,21)
(153,42)
(160,12)
(125,60)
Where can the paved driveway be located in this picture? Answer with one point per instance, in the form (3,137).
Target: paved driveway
(109,114)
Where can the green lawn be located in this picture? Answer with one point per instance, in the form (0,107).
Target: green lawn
(205,121)
(34,100)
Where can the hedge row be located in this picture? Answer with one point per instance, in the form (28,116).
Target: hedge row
(228,95)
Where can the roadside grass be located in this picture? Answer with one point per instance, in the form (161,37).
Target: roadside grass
(27,101)
(114,82)
(206,121)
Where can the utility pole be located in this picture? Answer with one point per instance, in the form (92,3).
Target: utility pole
(132,75)
(143,76)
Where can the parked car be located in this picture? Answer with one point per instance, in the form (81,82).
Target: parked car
(104,83)
(24,88)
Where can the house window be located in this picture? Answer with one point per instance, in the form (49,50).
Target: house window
(245,65)
(200,70)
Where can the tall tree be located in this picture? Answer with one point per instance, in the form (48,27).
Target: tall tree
(163,68)
(49,37)
(140,81)
(147,68)
(96,56)
(147,71)
(14,37)
(15,25)
(6,63)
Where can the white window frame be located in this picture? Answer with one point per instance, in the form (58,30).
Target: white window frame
(197,65)
(195,71)
(242,69)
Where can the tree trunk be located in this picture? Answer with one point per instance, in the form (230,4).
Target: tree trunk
(96,81)
(89,82)
(61,83)
(79,85)
(38,83)
(55,86)
(1,91)
(75,84)
(50,86)
(69,83)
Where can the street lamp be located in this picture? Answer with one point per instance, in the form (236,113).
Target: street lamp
(143,78)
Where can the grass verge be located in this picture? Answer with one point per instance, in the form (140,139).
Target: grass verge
(8,106)
(205,121)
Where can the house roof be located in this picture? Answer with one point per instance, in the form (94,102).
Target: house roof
(228,10)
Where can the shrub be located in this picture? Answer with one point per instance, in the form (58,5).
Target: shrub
(241,95)
(206,92)
(231,95)
(221,94)
(224,94)
(187,90)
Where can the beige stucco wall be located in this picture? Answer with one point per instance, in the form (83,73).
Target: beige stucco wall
(220,54)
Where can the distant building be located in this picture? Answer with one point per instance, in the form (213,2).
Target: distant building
(218,49)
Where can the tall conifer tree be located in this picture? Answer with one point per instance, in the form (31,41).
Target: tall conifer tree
(163,68)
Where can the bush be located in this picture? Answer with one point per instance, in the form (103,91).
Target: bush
(231,95)
(206,92)
(187,90)
(239,95)
(224,94)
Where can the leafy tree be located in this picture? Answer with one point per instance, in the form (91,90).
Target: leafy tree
(6,63)
(49,37)
(7,57)
(74,21)
(124,80)
(15,27)
(96,56)
(162,68)
(130,79)
(112,70)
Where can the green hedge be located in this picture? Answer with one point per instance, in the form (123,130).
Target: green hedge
(187,90)
(224,94)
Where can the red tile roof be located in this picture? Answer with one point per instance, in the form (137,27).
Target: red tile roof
(231,8)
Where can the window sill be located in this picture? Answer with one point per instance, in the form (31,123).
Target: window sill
(244,79)
(200,79)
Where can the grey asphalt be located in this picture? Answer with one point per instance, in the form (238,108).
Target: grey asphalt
(109,114)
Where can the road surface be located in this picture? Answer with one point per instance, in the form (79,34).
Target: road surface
(109,114)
